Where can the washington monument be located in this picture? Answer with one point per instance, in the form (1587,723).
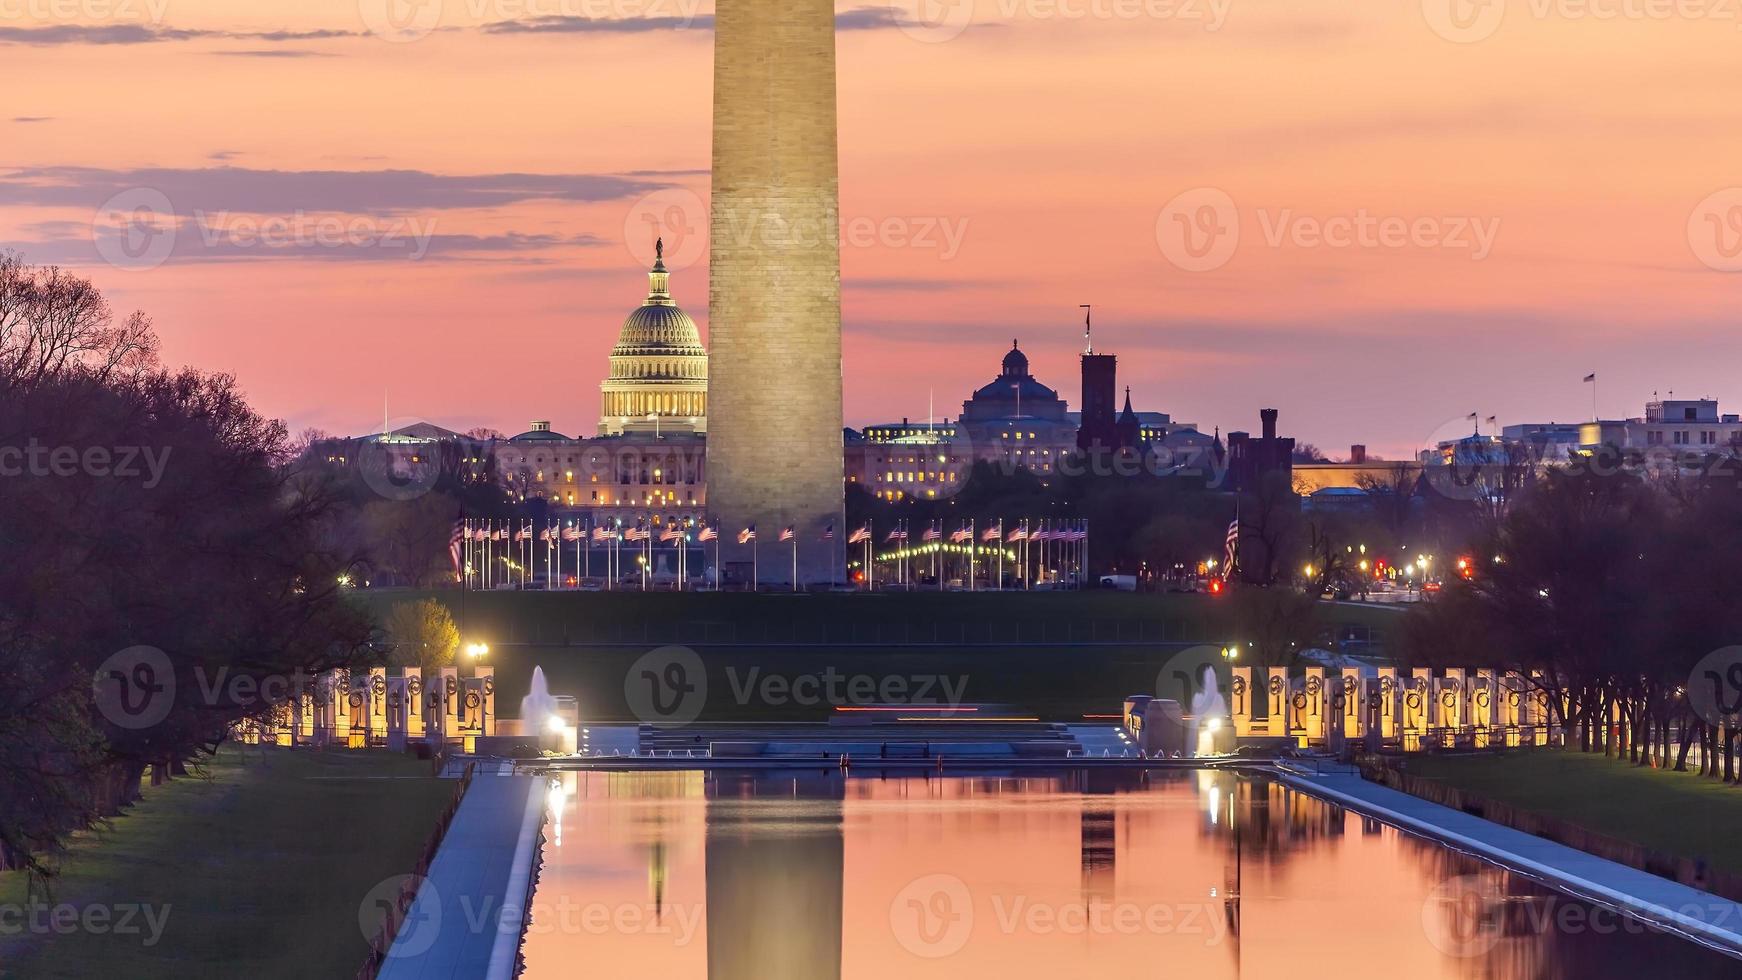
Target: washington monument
(774,294)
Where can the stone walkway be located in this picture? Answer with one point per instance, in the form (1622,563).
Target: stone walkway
(1675,907)
(457,928)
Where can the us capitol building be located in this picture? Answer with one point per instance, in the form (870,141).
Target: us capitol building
(659,369)
(648,460)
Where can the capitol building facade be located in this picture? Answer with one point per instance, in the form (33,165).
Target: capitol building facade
(659,369)
(648,461)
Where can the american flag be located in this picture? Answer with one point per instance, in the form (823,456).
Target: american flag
(480,535)
(573,533)
(671,533)
(747,535)
(708,532)
(932,533)
(992,533)
(501,534)
(1233,547)
(544,535)
(521,533)
(454,540)
(786,533)
(862,534)
(601,534)
(1041,535)
(961,534)
(899,534)
(829,531)
(1020,534)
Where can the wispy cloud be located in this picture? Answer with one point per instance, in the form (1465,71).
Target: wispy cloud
(124,34)
(274,53)
(857,19)
(237,189)
(210,240)
(32,119)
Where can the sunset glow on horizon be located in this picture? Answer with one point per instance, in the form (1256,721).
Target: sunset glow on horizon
(1376,221)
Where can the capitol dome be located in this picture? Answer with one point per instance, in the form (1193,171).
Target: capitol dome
(659,369)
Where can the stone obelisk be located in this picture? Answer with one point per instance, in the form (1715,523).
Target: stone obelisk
(774,293)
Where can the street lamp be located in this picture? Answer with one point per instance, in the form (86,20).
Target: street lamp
(477,651)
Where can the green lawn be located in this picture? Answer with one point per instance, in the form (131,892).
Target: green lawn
(1675,812)
(257,871)
(1054,654)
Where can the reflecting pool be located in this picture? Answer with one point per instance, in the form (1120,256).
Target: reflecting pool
(814,876)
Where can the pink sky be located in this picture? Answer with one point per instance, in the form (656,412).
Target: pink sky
(1551,193)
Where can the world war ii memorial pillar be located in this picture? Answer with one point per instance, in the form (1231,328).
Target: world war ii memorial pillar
(774,294)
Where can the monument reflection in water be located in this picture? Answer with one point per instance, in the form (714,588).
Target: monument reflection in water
(812,876)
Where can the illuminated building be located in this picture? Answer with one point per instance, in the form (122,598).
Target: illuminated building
(659,369)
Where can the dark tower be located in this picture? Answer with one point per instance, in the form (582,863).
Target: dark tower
(1098,427)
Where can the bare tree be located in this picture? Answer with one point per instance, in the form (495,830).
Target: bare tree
(52,322)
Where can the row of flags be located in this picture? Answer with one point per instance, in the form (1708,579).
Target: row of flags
(488,530)
(1047,531)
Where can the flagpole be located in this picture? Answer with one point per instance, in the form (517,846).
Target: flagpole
(870,556)
(795,559)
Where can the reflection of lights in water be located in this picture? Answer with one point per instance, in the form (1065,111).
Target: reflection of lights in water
(557,799)
(1215,805)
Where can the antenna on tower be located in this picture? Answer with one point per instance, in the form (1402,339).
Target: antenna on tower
(1088,311)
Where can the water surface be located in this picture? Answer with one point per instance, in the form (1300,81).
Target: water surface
(813,876)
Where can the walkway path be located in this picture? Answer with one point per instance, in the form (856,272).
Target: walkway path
(457,927)
(1675,907)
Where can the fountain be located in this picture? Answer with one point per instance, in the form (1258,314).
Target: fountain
(538,708)
(1209,715)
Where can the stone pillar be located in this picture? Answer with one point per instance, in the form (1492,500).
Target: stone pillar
(1276,699)
(1354,713)
(342,707)
(1240,695)
(774,289)
(377,722)
(1389,694)
(412,681)
(1312,705)
(1417,708)
(449,682)
(1450,710)
(1513,709)
(1483,698)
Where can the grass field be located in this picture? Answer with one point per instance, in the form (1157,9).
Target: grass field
(1056,655)
(1678,813)
(257,871)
